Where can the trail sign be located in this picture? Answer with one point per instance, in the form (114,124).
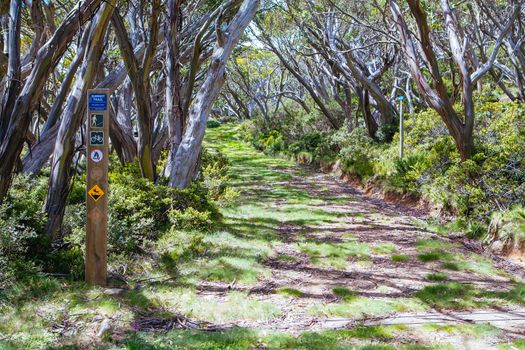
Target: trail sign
(98,101)
(97,186)
(96,155)
(96,193)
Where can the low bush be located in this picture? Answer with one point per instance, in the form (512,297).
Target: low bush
(507,231)
(212,124)
(493,179)
(140,212)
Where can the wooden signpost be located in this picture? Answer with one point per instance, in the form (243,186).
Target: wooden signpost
(97,186)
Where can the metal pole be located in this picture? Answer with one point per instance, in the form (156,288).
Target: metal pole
(401,128)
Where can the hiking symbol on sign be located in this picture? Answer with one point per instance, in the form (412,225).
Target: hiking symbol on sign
(97,120)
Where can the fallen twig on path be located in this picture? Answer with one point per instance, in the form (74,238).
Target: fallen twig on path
(177,322)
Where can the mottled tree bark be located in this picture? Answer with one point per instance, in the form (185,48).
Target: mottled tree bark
(59,180)
(174,99)
(13,67)
(47,58)
(227,37)
(139,75)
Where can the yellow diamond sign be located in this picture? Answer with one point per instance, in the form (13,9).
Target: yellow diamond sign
(96,193)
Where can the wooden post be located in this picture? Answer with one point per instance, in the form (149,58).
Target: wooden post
(97,186)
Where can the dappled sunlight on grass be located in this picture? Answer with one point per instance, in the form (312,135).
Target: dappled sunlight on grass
(233,306)
(360,307)
(294,247)
(370,338)
(224,269)
(477,331)
(461,296)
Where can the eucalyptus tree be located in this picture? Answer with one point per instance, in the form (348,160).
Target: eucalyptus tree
(284,42)
(460,125)
(139,74)
(359,54)
(259,84)
(73,115)
(17,112)
(508,72)
(347,47)
(228,33)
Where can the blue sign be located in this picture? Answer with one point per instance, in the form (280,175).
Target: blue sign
(401,98)
(98,102)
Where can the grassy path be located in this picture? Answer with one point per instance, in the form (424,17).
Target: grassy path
(302,261)
(324,254)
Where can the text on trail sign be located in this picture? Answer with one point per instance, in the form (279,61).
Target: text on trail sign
(96,193)
(98,102)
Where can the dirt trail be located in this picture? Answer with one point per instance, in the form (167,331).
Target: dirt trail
(333,267)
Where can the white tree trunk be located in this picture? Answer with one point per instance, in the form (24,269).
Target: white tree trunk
(190,147)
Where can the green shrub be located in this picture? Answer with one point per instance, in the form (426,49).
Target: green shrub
(190,219)
(508,228)
(409,172)
(212,124)
(140,211)
(22,223)
(214,177)
(312,146)
(271,142)
(357,154)
(177,246)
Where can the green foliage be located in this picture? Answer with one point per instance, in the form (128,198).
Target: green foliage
(437,277)
(400,258)
(140,211)
(22,225)
(190,219)
(177,246)
(509,229)
(312,147)
(213,123)
(344,293)
(214,171)
(432,169)
(271,142)
(357,152)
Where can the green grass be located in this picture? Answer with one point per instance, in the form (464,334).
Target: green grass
(286,258)
(451,266)
(206,275)
(361,337)
(384,248)
(437,277)
(344,293)
(475,331)
(433,256)
(518,344)
(234,306)
(224,269)
(291,292)
(461,296)
(400,258)
(360,307)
